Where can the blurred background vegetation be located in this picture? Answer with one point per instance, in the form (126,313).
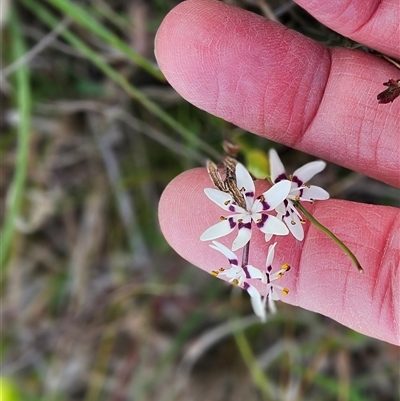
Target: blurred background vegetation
(95,305)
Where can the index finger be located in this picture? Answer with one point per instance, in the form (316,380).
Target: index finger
(276,83)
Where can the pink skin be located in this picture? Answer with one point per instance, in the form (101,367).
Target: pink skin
(278,84)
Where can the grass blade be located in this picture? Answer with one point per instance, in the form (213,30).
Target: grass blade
(23,102)
(97,60)
(82,17)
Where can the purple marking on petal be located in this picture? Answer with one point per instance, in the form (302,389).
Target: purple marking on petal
(269,268)
(246,285)
(264,218)
(250,194)
(233,262)
(232,222)
(280,178)
(246,271)
(232,208)
(297,181)
(244,225)
(265,205)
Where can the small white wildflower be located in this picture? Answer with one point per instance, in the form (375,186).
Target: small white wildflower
(240,276)
(253,212)
(243,276)
(299,191)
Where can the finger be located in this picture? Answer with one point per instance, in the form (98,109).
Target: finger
(374,23)
(322,278)
(274,82)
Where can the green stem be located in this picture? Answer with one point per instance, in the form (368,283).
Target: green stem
(23,102)
(330,234)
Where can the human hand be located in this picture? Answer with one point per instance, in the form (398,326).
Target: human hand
(278,84)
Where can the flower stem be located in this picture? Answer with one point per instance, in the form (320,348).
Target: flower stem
(245,257)
(330,235)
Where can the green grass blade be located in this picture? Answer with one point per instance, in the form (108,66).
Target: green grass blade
(97,60)
(257,374)
(23,102)
(82,17)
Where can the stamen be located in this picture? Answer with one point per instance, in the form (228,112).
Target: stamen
(222,218)
(226,203)
(285,291)
(302,221)
(286,267)
(215,273)
(297,198)
(261,198)
(235,281)
(293,223)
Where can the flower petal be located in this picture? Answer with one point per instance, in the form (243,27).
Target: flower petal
(277,170)
(253,272)
(245,184)
(244,234)
(306,172)
(233,260)
(273,197)
(294,224)
(314,193)
(268,237)
(272,225)
(256,302)
(271,301)
(219,230)
(270,255)
(281,208)
(223,200)
(233,273)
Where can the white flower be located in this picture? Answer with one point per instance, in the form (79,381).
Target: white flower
(299,191)
(273,290)
(239,276)
(251,212)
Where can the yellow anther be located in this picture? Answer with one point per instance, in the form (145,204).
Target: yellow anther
(262,198)
(292,222)
(280,275)
(285,291)
(240,220)
(286,267)
(297,198)
(214,273)
(291,177)
(221,269)
(222,218)
(302,221)
(235,281)
(226,203)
